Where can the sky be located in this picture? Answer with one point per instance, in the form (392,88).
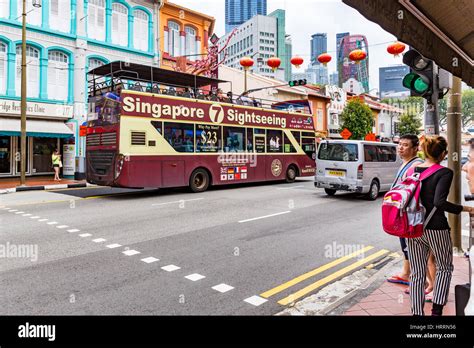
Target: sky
(307,17)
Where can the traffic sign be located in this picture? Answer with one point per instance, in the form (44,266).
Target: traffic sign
(370,137)
(346,133)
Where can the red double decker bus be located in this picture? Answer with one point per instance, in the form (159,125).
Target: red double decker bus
(150,127)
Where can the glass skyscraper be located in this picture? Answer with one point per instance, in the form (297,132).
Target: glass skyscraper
(240,11)
(319,44)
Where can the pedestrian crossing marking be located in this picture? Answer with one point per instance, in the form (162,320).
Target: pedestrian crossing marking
(295,296)
(309,274)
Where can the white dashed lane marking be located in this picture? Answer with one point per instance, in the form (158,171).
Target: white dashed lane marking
(52,223)
(111,246)
(266,216)
(72,230)
(181,201)
(195,277)
(99,240)
(20,212)
(222,287)
(27,214)
(35,217)
(85,235)
(62,226)
(170,268)
(255,300)
(130,252)
(41,220)
(150,259)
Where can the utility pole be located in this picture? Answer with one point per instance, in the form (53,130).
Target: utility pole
(431,107)
(453,116)
(23,99)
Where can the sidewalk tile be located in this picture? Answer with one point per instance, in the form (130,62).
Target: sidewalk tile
(378,311)
(379,297)
(359,312)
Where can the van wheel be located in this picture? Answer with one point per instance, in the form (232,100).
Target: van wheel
(290,174)
(330,192)
(199,180)
(373,191)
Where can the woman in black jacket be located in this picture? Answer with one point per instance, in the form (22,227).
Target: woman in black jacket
(436,237)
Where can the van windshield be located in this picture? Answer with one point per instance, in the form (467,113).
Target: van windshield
(338,152)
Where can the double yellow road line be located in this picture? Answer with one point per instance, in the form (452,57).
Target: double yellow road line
(298,294)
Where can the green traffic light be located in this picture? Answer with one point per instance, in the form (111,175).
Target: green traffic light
(415,82)
(291,83)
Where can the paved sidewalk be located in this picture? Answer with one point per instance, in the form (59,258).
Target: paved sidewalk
(390,299)
(37,182)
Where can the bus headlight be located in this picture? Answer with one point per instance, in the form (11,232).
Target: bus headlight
(118,165)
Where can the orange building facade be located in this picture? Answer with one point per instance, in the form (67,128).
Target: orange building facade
(184,35)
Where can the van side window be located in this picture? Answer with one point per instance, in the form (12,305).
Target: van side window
(370,153)
(386,154)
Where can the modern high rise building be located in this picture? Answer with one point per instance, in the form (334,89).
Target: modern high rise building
(390,81)
(334,79)
(353,77)
(319,44)
(339,37)
(256,38)
(282,42)
(240,11)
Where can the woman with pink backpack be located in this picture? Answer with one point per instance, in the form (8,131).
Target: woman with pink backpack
(436,234)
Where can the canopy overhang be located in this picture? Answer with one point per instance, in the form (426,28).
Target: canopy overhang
(439,30)
(35,128)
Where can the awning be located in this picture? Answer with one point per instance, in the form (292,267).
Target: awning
(439,30)
(35,128)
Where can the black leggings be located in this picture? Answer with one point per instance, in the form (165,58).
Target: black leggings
(403,244)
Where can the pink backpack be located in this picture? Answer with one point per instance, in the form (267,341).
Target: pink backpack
(403,215)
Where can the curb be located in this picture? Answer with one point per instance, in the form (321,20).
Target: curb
(369,283)
(44,187)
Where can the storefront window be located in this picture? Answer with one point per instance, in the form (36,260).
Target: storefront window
(42,150)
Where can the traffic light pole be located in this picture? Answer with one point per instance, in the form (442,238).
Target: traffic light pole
(453,116)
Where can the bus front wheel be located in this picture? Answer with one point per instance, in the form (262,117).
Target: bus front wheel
(290,174)
(199,180)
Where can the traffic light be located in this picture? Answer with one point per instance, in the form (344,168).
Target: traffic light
(422,81)
(297,83)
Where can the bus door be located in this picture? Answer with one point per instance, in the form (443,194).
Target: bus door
(260,158)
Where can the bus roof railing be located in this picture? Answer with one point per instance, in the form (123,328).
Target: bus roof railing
(152,74)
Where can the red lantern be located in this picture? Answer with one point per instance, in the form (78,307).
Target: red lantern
(396,48)
(296,61)
(324,58)
(274,63)
(246,62)
(357,56)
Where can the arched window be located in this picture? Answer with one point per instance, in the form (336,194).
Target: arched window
(119,24)
(60,15)
(95,63)
(190,42)
(58,75)
(33,14)
(96,19)
(4,8)
(32,71)
(3,68)
(174,40)
(140,30)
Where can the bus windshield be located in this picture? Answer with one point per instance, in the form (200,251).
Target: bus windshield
(104,110)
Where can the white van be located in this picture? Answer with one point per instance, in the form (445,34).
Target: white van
(366,167)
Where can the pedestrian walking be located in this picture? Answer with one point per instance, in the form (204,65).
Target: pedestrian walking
(57,163)
(436,235)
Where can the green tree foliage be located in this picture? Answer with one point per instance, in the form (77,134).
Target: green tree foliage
(358,118)
(467,108)
(409,124)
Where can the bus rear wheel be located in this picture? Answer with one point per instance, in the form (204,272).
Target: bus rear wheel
(290,174)
(199,180)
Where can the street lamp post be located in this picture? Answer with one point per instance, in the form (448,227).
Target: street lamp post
(37,4)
